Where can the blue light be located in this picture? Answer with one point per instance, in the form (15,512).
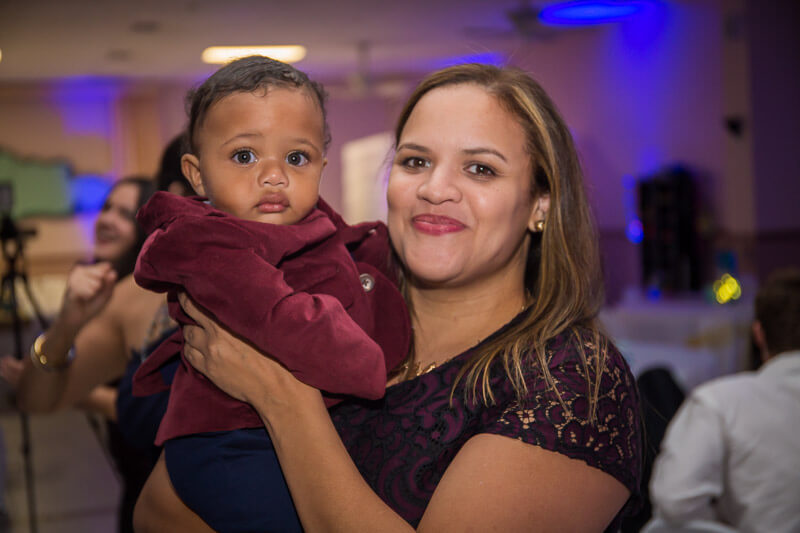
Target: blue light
(583,12)
(653,293)
(89,193)
(85,104)
(635,231)
(487,58)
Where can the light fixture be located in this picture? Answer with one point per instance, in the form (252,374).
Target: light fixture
(1,55)
(225,54)
(727,288)
(582,12)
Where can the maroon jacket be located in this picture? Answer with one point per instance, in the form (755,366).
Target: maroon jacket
(315,295)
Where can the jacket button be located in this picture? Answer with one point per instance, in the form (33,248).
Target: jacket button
(367,282)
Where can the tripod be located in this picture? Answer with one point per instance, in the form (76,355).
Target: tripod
(12,244)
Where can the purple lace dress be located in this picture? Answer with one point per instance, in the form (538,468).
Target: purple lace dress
(403,443)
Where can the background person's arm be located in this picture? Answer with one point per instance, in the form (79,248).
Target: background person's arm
(688,472)
(101,400)
(87,321)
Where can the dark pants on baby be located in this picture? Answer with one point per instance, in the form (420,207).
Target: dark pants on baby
(232,480)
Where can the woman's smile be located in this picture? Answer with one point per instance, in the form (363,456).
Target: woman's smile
(436,224)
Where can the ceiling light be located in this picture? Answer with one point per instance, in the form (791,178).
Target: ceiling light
(581,12)
(225,54)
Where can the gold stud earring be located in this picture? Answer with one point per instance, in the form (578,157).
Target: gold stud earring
(538,226)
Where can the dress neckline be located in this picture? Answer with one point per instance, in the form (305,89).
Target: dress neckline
(438,369)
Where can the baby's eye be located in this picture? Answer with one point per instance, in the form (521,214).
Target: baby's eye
(297,159)
(480,170)
(244,157)
(416,162)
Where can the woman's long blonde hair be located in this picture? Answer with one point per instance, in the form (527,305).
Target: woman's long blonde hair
(563,276)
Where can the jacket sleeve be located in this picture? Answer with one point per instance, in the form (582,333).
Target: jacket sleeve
(309,333)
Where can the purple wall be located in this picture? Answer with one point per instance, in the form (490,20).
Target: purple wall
(775,89)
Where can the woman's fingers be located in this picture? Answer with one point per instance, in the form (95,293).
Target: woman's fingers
(11,370)
(191,309)
(191,335)
(86,281)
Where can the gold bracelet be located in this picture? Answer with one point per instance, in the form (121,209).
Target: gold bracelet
(40,360)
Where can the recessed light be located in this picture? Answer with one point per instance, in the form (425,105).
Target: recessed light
(145,27)
(225,54)
(119,54)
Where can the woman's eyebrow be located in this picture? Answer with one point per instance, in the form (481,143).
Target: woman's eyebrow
(476,151)
(412,146)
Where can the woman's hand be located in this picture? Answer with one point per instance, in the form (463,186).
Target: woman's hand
(11,370)
(235,366)
(89,288)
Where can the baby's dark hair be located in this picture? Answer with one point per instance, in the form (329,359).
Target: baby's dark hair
(249,74)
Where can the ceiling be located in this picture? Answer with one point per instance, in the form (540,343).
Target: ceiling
(162,39)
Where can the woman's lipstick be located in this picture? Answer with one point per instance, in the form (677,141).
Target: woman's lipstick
(436,224)
(273,203)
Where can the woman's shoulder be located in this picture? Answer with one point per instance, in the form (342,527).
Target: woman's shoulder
(586,405)
(589,376)
(581,356)
(132,308)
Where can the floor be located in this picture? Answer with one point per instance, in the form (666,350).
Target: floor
(76,488)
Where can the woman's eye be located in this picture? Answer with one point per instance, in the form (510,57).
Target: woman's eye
(244,157)
(297,159)
(480,170)
(416,162)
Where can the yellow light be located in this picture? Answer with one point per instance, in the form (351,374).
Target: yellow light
(1,55)
(727,288)
(225,54)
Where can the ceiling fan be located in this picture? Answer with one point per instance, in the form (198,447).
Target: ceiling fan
(522,22)
(362,82)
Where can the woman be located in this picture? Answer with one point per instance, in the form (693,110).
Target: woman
(512,412)
(104,318)
(93,319)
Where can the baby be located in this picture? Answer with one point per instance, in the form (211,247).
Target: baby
(270,260)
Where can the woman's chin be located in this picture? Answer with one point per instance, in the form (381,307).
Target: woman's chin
(107,252)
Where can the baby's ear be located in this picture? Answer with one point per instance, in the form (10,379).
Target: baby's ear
(190,166)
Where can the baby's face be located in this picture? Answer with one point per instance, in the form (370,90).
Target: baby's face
(260,155)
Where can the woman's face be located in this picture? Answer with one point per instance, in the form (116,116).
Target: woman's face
(115,229)
(459,192)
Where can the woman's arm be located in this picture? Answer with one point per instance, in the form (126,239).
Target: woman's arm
(494,482)
(101,400)
(88,321)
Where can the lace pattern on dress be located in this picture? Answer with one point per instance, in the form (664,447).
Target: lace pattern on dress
(562,422)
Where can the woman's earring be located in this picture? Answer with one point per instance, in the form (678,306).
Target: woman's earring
(538,226)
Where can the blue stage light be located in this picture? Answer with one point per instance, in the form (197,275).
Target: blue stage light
(89,193)
(635,231)
(489,58)
(584,12)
